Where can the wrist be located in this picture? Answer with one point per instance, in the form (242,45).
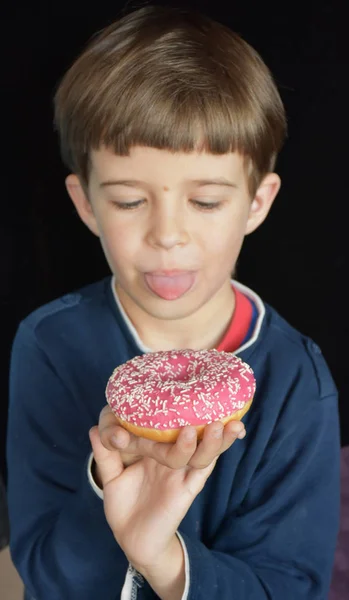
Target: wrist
(167,575)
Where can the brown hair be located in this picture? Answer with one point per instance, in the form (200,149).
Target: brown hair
(170,78)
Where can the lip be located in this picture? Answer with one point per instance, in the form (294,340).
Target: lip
(169,272)
(170,284)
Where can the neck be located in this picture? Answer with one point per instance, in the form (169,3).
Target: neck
(200,331)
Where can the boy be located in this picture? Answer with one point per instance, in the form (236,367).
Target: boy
(170,125)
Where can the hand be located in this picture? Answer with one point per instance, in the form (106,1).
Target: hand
(145,502)
(185,451)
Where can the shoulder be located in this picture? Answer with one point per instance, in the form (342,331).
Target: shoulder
(67,314)
(78,336)
(295,393)
(303,351)
(288,359)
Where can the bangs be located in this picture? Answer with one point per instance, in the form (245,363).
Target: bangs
(182,87)
(179,120)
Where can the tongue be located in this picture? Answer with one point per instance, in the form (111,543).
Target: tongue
(170,287)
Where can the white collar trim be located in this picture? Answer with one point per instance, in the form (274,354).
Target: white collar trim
(243,288)
(127,320)
(261,314)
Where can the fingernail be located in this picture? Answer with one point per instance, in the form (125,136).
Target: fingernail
(217,432)
(242,434)
(117,442)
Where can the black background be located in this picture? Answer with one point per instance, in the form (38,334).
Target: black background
(297,261)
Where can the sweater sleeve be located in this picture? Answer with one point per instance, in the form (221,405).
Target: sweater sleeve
(281,542)
(60,541)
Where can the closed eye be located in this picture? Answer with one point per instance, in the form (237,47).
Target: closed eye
(201,205)
(206,205)
(128,205)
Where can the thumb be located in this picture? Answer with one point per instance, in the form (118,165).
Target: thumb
(109,463)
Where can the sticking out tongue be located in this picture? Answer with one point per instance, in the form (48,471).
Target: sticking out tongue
(170,287)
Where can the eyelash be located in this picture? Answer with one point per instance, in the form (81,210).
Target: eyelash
(205,206)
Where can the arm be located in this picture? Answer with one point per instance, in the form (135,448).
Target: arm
(60,541)
(282,538)
(169,578)
(281,543)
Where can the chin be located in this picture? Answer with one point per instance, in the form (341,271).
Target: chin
(170,310)
(170,313)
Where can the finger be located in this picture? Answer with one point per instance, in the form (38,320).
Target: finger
(115,437)
(112,435)
(109,462)
(209,447)
(232,431)
(177,455)
(196,478)
(216,440)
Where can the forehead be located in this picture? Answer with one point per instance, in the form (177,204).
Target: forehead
(164,167)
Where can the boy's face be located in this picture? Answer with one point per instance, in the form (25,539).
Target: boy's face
(171,224)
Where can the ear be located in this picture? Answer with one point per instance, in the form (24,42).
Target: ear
(81,202)
(262,202)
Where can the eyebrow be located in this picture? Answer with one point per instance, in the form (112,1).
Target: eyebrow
(222,181)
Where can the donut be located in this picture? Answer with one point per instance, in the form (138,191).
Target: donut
(156,394)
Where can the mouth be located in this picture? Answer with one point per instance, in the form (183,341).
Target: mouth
(170,285)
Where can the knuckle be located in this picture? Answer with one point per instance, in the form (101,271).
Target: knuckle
(173,464)
(174,467)
(203,463)
(176,460)
(105,435)
(199,464)
(186,449)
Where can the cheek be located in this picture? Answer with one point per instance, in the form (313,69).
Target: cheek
(225,238)
(120,238)
(119,243)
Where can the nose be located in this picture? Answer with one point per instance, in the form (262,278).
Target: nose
(167,228)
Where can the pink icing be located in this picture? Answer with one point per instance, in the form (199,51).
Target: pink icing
(171,389)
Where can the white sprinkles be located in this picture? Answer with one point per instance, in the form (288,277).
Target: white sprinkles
(171,389)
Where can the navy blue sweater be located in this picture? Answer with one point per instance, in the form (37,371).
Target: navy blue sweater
(263,527)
